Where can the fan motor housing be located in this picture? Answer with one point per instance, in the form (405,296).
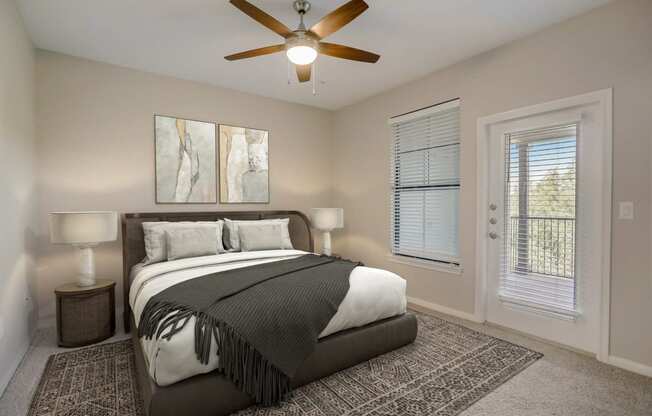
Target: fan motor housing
(302,38)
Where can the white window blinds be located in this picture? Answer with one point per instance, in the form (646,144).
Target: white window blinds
(538,261)
(425,181)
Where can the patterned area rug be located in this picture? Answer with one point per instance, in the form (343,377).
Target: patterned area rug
(447,368)
(92,381)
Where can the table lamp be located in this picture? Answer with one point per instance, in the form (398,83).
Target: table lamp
(84,230)
(326,220)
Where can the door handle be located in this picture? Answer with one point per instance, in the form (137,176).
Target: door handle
(493,235)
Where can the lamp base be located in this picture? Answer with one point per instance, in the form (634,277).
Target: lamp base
(85,281)
(326,244)
(86,267)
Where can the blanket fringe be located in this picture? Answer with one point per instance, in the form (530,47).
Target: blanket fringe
(238,360)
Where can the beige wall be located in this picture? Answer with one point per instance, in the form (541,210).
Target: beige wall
(95,150)
(17,201)
(609,47)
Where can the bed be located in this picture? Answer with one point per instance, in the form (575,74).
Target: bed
(171,384)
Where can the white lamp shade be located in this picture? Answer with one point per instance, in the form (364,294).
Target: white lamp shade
(83,227)
(327,219)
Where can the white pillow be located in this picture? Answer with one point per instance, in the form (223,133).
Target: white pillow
(232,238)
(260,236)
(191,241)
(155,241)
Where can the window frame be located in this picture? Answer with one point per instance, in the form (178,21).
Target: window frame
(451,265)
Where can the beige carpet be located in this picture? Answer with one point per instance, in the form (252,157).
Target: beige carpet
(447,368)
(562,383)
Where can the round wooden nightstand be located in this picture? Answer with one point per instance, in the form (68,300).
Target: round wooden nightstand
(85,315)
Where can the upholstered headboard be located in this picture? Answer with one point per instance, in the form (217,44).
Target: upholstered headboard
(133,240)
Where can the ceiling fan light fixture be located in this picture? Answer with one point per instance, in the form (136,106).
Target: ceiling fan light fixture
(302,46)
(302,55)
(302,49)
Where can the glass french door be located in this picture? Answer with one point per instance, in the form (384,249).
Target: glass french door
(540,217)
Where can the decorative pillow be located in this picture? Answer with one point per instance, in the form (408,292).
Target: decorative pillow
(232,237)
(155,241)
(260,236)
(192,241)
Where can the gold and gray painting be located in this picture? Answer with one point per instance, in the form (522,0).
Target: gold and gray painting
(185,161)
(244,174)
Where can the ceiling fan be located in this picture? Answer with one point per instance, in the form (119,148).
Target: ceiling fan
(303,45)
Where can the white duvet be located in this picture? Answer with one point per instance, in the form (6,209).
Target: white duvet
(374,294)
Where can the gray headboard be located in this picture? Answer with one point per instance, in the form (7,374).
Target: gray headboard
(133,240)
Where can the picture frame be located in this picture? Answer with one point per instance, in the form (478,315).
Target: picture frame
(185,159)
(243,165)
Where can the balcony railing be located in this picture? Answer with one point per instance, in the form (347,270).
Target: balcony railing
(542,245)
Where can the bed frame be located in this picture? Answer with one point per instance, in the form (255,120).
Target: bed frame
(212,394)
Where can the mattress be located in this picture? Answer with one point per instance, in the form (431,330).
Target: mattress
(374,294)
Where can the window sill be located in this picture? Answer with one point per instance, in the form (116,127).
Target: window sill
(426,264)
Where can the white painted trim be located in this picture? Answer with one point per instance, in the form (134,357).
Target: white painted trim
(6,378)
(605,99)
(619,362)
(630,365)
(443,309)
(601,96)
(425,264)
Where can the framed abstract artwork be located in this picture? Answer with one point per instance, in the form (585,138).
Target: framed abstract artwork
(186,161)
(244,165)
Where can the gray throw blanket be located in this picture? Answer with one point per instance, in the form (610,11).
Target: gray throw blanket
(265,319)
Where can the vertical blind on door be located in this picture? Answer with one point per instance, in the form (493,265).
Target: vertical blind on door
(539,250)
(425,183)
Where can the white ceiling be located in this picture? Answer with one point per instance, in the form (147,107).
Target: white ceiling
(189,38)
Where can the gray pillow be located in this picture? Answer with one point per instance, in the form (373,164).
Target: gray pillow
(155,241)
(260,236)
(192,241)
(232,237)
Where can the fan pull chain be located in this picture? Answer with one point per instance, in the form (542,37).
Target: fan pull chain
(314,77)
(288,61)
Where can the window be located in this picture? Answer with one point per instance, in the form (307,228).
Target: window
(538,262)
(425,183)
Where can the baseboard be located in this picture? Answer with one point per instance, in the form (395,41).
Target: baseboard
(629,365)
(443,309)
(623,363)
(6,378)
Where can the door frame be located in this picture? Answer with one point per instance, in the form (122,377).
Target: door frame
(604,99)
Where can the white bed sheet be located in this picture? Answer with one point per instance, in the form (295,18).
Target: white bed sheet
(374,294)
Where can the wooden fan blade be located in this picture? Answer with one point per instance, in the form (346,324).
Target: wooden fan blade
(303,72)
(255,52)
(347,52)
(262,17)
(338,18)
